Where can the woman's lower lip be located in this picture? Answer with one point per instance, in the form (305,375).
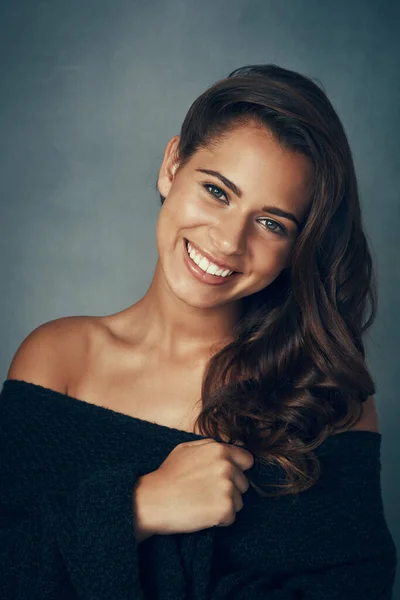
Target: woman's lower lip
(202,275)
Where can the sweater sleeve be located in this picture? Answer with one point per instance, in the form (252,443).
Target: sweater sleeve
(330,542)
(83,539)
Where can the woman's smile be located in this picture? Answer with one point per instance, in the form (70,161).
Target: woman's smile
(201,275)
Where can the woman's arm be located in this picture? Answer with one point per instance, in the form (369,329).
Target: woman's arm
(49,540)
(84,538)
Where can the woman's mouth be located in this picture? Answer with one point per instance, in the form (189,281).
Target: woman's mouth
(198,266)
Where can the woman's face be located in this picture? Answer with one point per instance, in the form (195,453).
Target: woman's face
(237,227)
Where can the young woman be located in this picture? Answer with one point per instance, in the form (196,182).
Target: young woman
(126,438)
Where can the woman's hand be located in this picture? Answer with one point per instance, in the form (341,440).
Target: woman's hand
(199,485)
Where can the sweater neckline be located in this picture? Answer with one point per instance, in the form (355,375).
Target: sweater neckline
(171,431)
(43,390)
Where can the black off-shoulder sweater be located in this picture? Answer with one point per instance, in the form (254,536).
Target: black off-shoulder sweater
(67,470)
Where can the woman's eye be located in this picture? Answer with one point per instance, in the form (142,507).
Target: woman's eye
(207,186)
(280,231)
(276,227)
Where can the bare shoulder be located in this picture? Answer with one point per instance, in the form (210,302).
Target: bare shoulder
(51,352)
(369,420)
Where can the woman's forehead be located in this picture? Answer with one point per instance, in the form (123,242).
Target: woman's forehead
(258,165)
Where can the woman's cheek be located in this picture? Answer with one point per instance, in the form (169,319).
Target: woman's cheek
(197,212)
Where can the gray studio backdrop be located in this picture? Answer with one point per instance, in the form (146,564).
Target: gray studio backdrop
(92,90)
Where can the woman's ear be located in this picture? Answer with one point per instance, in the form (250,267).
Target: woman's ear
(169,166)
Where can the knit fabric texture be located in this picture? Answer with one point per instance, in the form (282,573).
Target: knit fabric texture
(67,473)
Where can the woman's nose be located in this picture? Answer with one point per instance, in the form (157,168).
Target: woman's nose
(229,236)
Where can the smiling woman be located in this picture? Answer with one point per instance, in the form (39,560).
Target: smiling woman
(261,182)
(223,212)
(244,355)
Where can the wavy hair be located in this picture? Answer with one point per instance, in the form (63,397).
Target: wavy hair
(296,368)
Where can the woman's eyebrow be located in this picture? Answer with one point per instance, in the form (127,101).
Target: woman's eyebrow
(274,210)
(229,184)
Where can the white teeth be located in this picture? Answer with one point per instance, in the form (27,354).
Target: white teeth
(212,269)
(205,264)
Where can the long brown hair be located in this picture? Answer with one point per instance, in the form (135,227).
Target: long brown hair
(296,367)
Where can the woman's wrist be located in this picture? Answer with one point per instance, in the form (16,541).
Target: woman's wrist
(142,520)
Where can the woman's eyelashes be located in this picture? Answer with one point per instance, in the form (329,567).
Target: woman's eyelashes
(280,231)
(211,185)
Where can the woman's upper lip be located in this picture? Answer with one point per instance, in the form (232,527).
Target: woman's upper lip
(212,259)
